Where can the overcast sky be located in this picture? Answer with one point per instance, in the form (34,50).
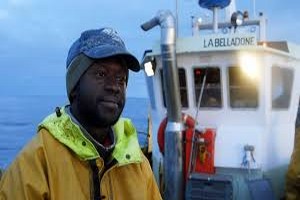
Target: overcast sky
(35,35)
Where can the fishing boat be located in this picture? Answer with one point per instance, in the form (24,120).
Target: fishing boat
(224,103)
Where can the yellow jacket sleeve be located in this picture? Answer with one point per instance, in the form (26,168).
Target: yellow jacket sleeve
(26,178)
(153,191)
(293,174)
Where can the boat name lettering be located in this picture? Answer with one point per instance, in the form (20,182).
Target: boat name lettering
(228,42)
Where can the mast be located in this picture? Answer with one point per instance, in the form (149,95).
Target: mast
(176,11)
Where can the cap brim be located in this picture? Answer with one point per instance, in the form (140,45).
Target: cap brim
(106,51)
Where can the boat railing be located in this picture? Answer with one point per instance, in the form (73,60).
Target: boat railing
(261,22)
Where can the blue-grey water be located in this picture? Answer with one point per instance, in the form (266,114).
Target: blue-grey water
(20,115)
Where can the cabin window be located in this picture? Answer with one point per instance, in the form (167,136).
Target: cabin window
(211,96)
(282,82)
(182,87)
(243,90)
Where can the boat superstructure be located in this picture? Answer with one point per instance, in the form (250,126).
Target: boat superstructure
(243,92)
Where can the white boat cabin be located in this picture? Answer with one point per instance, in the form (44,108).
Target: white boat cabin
(250,97)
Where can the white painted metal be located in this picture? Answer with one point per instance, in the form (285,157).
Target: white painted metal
(271,131)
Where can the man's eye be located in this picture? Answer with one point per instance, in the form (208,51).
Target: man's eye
(100,74)
(121,80)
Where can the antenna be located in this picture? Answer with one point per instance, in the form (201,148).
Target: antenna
(176,11)
(254,8)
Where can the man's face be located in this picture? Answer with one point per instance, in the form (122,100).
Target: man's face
(101,92)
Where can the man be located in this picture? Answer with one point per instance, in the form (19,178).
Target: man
(85,150)
(292,185)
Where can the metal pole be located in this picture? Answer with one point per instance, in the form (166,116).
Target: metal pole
(262,28)
(176,8)
(215,19)
(193,152)
(254,8)
(173,167)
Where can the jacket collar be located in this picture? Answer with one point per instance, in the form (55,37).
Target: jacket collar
(127,149)
(104,151)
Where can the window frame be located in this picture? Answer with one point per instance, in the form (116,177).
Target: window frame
(194,86)
(291,89)
(228,91)
(164,103)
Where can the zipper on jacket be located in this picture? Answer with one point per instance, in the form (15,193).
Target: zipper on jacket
(110,166)
(97,175)
(96,181)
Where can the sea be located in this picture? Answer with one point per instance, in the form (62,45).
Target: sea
(20,116)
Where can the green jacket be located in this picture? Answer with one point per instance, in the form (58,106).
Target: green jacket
(56,165)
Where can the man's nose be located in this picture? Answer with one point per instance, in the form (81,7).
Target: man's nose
(111,83)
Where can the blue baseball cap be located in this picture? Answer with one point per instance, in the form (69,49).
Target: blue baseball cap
(95,44)
(102,43)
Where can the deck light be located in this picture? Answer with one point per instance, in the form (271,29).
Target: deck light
(264,44)
(249,65)
(149,65)
(149,69)
(199,20)
(237,19)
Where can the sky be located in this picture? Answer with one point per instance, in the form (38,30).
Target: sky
(35,35)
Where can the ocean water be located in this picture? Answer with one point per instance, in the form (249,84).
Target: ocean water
(20,115)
